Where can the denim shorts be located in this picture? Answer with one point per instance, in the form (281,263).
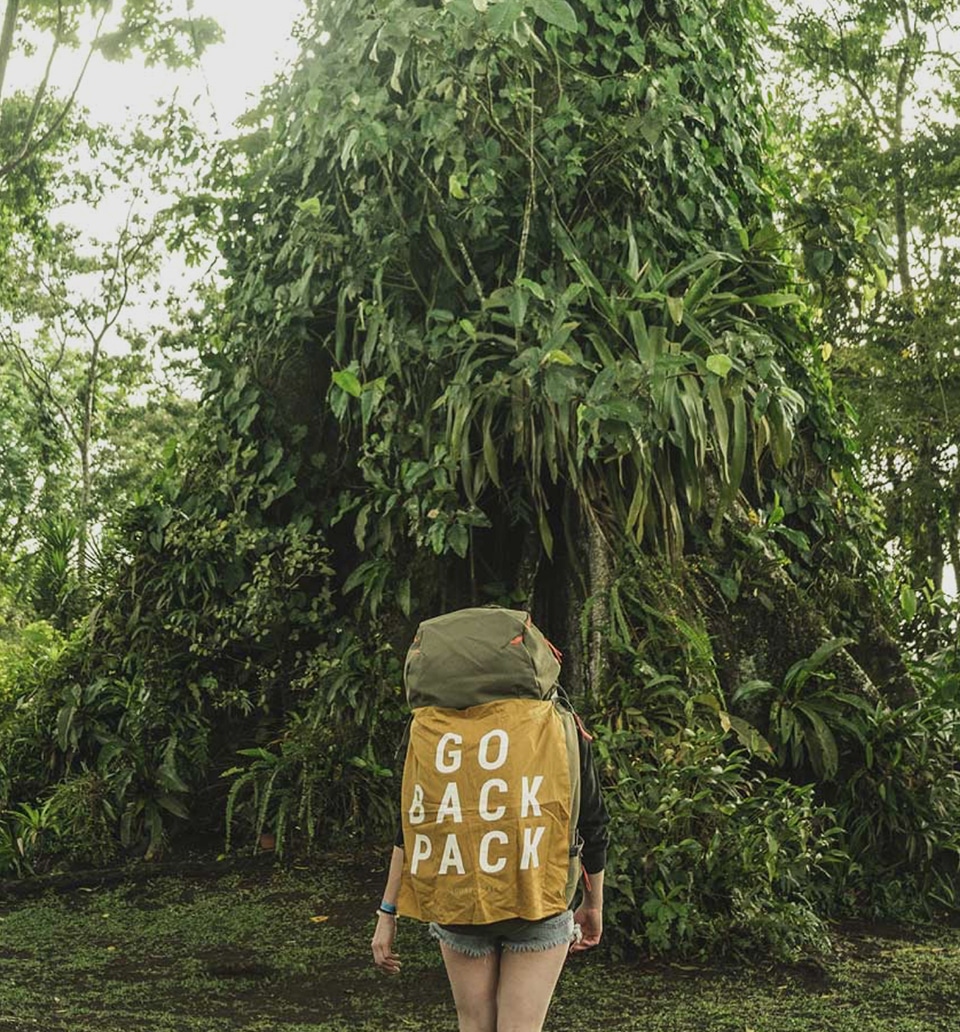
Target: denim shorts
(517,935)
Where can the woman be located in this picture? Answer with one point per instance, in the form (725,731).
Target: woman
(503,974)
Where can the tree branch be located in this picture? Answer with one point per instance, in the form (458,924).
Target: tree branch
(39,385)
(30,148)
(44,82)
(6,37)
(880,123)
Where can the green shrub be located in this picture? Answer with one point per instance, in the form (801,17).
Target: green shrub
(28,836)
(708,856)
(326,775)
(24,658)
(85,809)
(900,810)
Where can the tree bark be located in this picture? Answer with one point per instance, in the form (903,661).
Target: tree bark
(601,574)
(6,38)
(86,438)
(904,77)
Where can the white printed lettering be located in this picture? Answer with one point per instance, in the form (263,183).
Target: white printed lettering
(530,796)
(531,841)
(450,804)
(416,811)
(485,865)
(450,762)
(501,757)
(488,786)
(451,856)
(421,851)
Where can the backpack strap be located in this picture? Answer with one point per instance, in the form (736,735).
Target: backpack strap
(571,730)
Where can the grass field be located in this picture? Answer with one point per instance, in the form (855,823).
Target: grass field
(287,949)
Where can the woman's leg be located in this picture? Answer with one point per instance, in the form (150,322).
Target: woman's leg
(527,981)
(474,984)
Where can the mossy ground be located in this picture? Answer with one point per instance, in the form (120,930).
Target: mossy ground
(287,949)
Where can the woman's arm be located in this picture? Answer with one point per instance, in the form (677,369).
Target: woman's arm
(589,915)
(386,930)
(593,827)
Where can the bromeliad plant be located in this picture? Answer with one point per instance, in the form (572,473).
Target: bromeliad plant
(804,718)
(647,398)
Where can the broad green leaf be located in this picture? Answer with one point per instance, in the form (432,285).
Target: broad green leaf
(781,435)
(64,723)
(675,307)
(403,596)
(347,381)
(556,12)
(824,753)
(908,602)
(395,83)
(558,356)
(702,285)
(501,15)
(490,457)
(633,255)
(458,537)
(747,735)
(721,426)
(311,206)
(719,364)
(827,651)
(518,307)
(738,444)
(533,287)
(797,538)
(773,300)
(546,534)
(173,805)
(360,527)
(348,145)
(247,416)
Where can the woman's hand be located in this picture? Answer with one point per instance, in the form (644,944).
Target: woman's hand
(590,922)
(382,944)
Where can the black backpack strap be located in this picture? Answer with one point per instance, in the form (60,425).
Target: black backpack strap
(400,755)
(564,701)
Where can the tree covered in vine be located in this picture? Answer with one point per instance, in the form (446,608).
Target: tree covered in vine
(508,319)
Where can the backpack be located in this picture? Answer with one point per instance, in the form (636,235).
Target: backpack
(491,778)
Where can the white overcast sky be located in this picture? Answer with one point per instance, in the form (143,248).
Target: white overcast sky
(257,43)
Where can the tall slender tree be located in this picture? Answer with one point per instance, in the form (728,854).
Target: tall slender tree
(158,31)
(869,102)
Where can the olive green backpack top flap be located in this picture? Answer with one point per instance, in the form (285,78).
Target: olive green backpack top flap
(472,656)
